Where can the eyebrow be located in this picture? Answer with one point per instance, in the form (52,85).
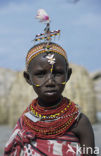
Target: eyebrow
(59,68)
(39,70)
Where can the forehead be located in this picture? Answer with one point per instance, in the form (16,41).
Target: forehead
(41,61)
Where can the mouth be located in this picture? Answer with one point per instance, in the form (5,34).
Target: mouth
(51,92)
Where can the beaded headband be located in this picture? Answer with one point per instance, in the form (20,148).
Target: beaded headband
(39,49)
(47,45)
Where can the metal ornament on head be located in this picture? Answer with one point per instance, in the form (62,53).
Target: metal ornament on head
(46,46)
(42,16)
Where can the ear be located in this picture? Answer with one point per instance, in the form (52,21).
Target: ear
(27,77)
(69,72)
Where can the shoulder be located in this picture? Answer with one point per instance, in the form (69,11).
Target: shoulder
(83,126)
(83,120)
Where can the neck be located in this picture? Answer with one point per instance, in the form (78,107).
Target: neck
(46,104)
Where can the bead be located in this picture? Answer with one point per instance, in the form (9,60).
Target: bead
(40,115)
(63,83)
(37,85)
(44,116)
(56,127)
(51,70)
(36,113)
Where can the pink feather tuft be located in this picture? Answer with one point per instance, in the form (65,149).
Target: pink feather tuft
(42,16)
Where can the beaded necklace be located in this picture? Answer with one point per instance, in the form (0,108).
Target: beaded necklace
(52,122)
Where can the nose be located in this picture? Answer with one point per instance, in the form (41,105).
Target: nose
(50,81)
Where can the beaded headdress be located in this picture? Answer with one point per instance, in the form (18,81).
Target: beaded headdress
(47,45)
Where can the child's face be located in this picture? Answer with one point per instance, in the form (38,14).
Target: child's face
(50,83)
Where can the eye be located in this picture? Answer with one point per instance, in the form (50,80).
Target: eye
(40,74)
(58,73)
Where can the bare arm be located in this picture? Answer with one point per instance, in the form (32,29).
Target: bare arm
(86,135)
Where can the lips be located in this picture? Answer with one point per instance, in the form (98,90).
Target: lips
(51,92)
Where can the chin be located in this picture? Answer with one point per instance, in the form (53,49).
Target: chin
(51,97)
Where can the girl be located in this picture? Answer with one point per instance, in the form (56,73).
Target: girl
(52,125)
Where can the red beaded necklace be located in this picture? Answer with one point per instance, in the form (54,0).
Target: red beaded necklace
(52,122)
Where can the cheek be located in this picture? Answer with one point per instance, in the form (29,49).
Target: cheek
(60,79)
(38,80)
(61,88)
(37,90)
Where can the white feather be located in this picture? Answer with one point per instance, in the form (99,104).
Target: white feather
(42,16)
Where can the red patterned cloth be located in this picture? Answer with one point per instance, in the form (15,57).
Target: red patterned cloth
(25,142)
